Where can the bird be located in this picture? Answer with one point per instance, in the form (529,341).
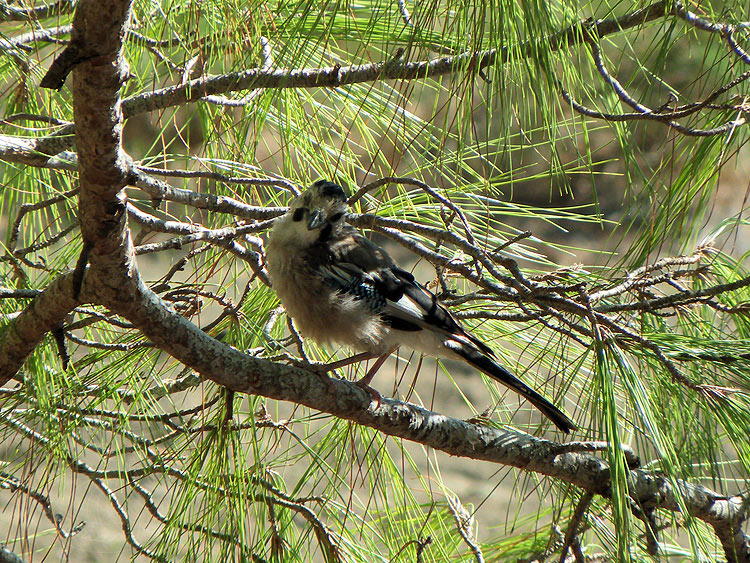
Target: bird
(340,287)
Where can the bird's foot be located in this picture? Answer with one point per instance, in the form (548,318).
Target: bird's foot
(364,383)
(324,369)
(331,366)
(374,393)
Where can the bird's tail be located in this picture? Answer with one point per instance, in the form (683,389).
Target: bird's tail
(484,363)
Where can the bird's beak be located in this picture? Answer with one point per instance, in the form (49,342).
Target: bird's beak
(316,219)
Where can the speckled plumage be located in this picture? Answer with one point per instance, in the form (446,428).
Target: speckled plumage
(338,286)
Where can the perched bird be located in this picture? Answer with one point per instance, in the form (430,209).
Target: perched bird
(339,286)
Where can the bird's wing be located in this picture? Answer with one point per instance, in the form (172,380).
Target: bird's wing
(415,304)
(357,266)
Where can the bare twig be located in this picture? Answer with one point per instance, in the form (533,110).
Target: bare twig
(210,175)
(35,13)
(573,525)
(433,193)
(111,347)
(26,208)
(464,523)
(12,484)
(159,190)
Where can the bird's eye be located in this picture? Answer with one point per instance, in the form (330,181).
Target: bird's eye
(298,214)
(335,217)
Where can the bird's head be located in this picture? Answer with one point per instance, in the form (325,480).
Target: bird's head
(317,213)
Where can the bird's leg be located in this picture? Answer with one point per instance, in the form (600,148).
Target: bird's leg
(367,378)
(229,400)
(322,368)
(364,382)
(361,357)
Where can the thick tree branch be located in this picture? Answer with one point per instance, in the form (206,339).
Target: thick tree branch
(45,313)
(103,165)
(47,152)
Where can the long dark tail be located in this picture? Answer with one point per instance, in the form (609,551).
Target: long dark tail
(484,363)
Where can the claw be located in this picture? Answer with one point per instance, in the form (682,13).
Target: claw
(374,394)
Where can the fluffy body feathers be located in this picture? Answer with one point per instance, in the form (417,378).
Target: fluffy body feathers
(338,286)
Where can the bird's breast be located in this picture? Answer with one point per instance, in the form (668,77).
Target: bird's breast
(322,313)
